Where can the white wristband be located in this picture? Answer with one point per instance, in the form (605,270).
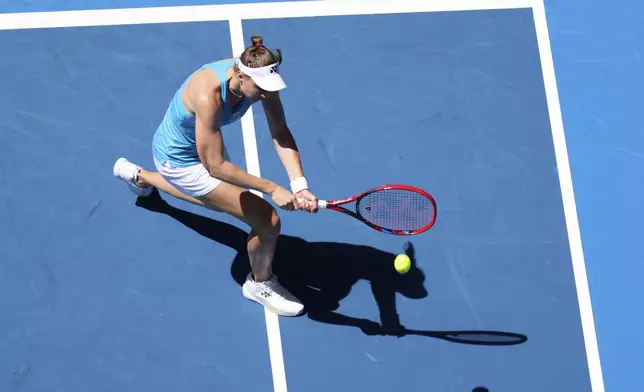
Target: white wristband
(299,184)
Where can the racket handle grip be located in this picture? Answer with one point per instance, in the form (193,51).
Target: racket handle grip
(321,203)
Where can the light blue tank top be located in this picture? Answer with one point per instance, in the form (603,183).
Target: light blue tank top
(174,141)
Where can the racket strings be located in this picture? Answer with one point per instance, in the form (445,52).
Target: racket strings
(396,209)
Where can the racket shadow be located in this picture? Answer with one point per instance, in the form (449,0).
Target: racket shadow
(322,274)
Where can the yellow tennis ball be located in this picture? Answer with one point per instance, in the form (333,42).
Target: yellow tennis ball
(402,263)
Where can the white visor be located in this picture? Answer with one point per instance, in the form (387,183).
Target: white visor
(267,78)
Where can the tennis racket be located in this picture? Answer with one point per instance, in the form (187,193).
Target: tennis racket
(392,209)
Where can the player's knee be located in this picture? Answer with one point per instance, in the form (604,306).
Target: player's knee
(269,224)
(263,218)
(274,224)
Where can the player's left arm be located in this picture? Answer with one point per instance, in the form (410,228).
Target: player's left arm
(286,147)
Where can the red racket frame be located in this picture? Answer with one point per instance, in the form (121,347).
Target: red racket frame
(335,205)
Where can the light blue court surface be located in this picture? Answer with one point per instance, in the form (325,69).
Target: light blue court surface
(100,291)
(17,6)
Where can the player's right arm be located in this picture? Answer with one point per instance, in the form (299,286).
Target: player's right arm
(210,148)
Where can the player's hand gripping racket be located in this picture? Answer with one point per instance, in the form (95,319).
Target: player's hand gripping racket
(392,209)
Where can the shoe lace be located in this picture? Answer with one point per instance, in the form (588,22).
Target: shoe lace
(278,289)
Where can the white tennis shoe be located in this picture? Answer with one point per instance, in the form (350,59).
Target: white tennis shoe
(272,296)
(128,171)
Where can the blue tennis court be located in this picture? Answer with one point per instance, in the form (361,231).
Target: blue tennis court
(102,291)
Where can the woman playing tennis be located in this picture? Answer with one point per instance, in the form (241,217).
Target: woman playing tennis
(188,153)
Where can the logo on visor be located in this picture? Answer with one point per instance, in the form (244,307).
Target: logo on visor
(274,69)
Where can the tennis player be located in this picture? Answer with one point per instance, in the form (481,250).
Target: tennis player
(188,153)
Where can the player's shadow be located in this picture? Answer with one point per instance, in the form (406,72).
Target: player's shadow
(321,274)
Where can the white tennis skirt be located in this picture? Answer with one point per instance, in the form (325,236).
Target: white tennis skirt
(194,181)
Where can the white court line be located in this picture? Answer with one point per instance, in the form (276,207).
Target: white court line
(252,166)
(568,197)
(33,20)
(235,13)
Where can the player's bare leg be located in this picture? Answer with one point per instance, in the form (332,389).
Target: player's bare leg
(261,285)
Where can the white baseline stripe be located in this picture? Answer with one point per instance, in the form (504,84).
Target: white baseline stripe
(242,11)
(568,196)
(252,164)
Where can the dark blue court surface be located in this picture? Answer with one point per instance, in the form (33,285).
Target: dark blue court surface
(96,292)
(100,291)
(453,103)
